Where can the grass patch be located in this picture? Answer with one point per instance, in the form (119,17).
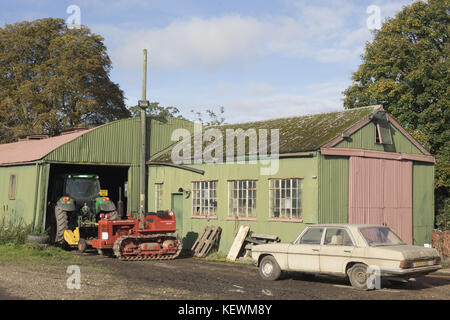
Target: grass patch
(34,252)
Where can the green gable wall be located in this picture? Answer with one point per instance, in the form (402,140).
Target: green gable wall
(364,138)
(173,179)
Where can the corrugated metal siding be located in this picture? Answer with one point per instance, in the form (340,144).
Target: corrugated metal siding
(173,179)
(423,202)
(333,189)
(365,139)
(114,143)
(161,133)
(22,208)
(381,193)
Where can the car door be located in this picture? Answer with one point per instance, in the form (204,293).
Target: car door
(303,255)
(336,249)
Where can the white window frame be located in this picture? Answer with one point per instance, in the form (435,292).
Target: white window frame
(204,197)
(291,210)
(245,191)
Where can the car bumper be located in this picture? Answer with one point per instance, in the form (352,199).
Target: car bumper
(411,271)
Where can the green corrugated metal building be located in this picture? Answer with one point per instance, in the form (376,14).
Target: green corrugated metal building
(319,179)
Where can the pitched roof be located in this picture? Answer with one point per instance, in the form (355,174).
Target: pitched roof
(33,150)
(302,133)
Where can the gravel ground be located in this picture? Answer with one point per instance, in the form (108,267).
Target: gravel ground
(193,279)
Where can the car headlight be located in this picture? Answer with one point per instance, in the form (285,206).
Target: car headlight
(105,236)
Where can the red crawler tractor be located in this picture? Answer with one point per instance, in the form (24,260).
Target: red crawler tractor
(133,239)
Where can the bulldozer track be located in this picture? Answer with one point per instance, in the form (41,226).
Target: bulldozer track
(157,257)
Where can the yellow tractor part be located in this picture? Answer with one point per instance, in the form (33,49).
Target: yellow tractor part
(72,237)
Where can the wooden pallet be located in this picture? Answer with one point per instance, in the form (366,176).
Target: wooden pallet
(237,244)
(204,244)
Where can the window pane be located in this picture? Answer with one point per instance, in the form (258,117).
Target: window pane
(312,236)
(338,237)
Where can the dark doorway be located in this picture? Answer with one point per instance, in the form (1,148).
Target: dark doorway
(112,178)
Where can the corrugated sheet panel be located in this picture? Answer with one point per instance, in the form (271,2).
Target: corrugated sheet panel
(161,134)
(423,202)
(117,142)
(22,207)
(133,190)
(333,189)
(381,193)
(365,139)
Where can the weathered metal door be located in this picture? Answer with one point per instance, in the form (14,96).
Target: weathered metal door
(381,193)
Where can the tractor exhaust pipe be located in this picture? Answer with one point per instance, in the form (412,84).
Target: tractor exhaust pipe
(120,204)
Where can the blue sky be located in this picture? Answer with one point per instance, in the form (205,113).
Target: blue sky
(257,59)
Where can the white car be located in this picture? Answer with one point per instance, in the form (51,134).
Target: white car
(346,250)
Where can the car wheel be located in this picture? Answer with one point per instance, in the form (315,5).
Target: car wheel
(269,268)
(358,276)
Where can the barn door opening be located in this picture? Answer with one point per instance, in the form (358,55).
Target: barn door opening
(381,193)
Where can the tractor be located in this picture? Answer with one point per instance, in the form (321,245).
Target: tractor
(80,202)
(133,239)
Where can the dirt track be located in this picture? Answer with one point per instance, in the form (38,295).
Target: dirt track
(193,279)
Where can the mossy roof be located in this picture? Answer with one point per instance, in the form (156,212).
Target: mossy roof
(302,133)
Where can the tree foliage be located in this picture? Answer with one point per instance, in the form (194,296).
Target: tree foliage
(157,112)
(52,78)
(406,69)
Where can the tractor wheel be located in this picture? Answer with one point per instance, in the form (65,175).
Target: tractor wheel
(62,224)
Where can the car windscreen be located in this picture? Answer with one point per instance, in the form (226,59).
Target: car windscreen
(82,188)
(380,236)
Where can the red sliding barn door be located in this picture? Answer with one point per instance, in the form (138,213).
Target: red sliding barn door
(381,193)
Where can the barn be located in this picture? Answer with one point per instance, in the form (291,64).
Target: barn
(351,166)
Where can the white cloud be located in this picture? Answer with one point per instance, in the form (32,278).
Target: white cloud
(213,42)
(195,42)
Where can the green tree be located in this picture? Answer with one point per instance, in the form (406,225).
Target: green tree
(406,69)
(155,111)
(52,78)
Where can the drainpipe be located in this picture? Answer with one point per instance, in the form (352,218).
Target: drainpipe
(143,104)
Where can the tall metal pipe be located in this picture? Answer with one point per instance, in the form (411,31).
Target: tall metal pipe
(143,104)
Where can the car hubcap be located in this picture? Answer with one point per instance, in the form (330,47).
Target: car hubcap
(361,276)
(267,268)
